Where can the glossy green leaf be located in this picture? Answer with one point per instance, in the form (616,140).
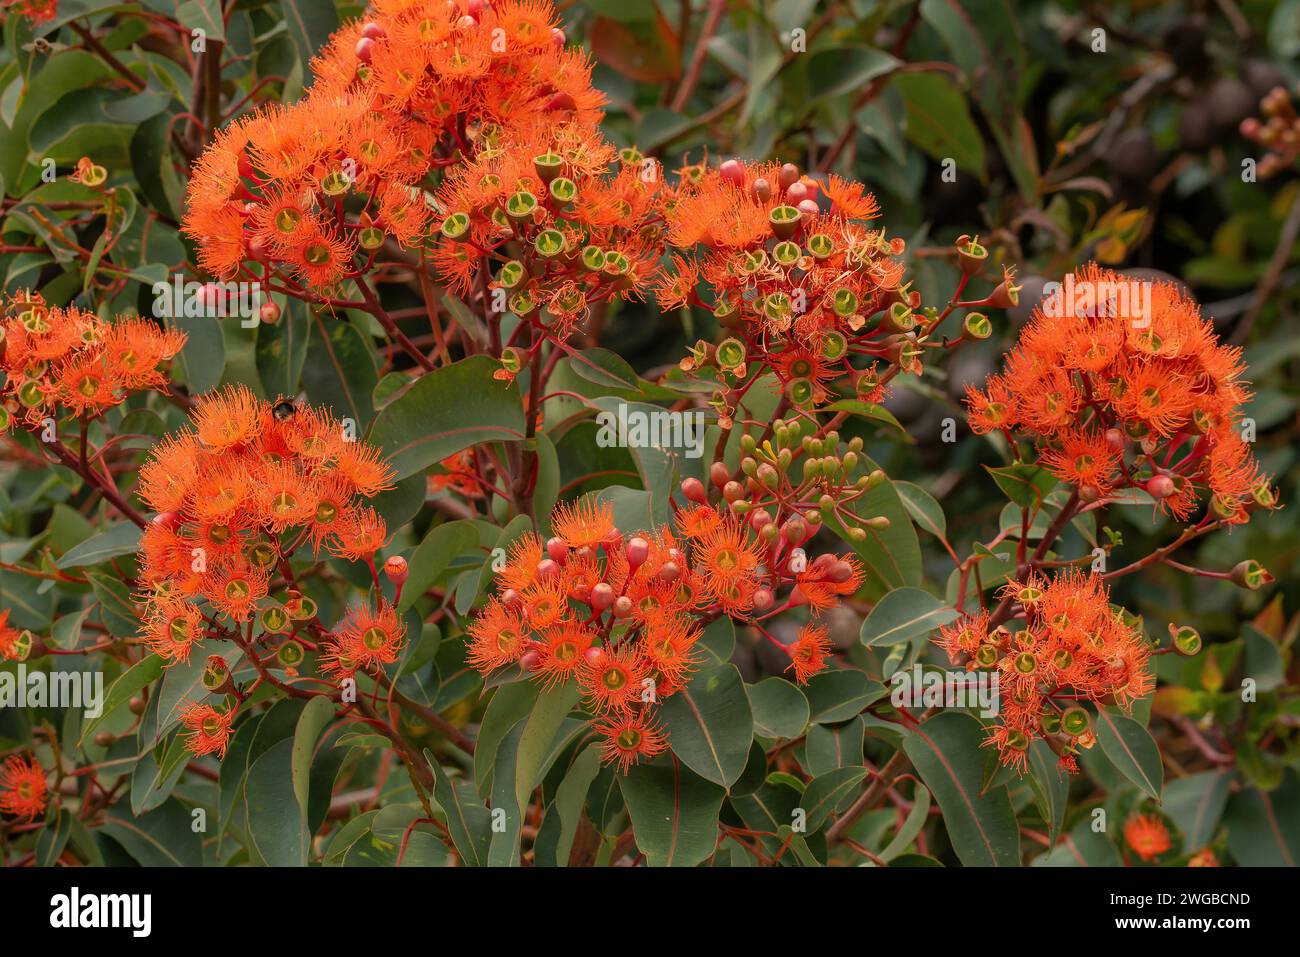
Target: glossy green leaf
(946,751)
(710,725)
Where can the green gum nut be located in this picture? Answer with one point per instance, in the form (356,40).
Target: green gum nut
(593,258)
(901,317)
(1263,495)
(563,191)
(215,674)
(522,304)
(290,654)
(305,609)
(455,226)
(262,554)
(616,264)
(1050,722)
(845,302)
(820,245)
(723,309)
(334,184)
(1250,574)
(1075,722)
(511,274)
(30,394)
(1187,640)
(275,619)
(4,419)
(371,237)
(549,243)
(784,220)
(786,253)
(548,166)
(800,392)
(977,325)
(731,353)
(777,306)
(520,206)
(834,346)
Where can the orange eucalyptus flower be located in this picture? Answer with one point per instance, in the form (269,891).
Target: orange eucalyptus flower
(22,788)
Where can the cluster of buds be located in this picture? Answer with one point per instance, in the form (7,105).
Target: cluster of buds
(1277,129)
(789,484)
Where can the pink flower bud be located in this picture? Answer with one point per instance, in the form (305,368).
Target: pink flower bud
(602,596)
(840,572)
(1160,486)
(365,49)
(622,606)
(733,172)
(594,656)
(396,569)
(558,551)
(638,550)
(694,491)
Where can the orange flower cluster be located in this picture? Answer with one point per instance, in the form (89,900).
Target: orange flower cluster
(622,616)
(58,360)
(419,86)
(568,230)
(237,494)
(795,273)
(22,788)
(1148,836)
(1074,647)
(365,640)
(1122,384)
